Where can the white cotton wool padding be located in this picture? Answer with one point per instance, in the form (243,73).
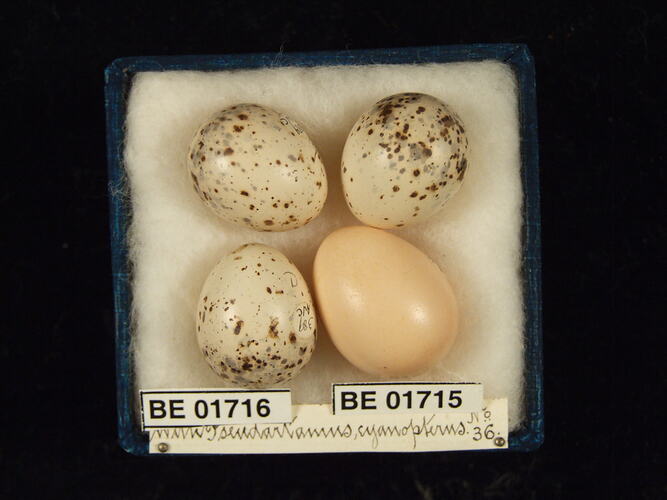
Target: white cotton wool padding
(175,240)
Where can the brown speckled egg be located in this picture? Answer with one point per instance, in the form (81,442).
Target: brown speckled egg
(256,167)
(256,322)
(403,159)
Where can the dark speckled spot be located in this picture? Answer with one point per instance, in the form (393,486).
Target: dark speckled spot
(292,337)
(396,188)
(462,169)
(228,151)
(237,328)
(447,121)
(268,222)
(273,328)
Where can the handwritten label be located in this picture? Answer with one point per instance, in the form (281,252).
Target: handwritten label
(399,397)
(315,429)
(305,318)
(291,123)
(194,408)
(291,277)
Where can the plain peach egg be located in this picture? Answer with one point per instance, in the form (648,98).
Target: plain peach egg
(388,308)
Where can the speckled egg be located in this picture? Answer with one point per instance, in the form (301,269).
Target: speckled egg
(256,167)
(403,160)
(256,322)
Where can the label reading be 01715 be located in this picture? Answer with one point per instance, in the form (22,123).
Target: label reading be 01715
(413,397)
(192,408)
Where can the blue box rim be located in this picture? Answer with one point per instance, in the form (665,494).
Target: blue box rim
(118,78)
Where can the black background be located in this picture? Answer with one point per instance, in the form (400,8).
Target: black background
(601,124)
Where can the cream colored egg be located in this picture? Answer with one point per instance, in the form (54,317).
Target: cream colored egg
(388,308)
(256,167)
(256,323)
(403,159)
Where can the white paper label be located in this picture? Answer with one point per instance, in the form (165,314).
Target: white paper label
(315,429)
(399,397)
(193,408)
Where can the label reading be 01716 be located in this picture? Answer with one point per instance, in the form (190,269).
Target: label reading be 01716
(192,408)
(414,397)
